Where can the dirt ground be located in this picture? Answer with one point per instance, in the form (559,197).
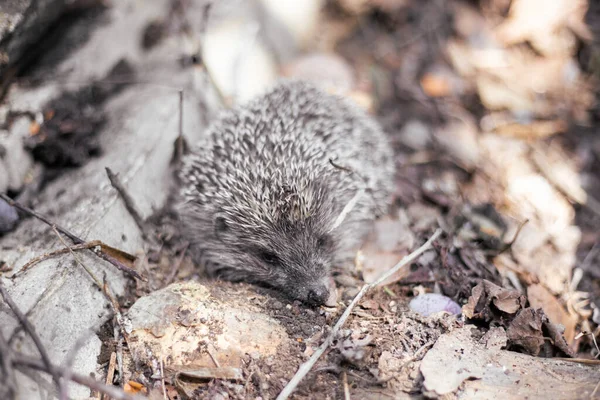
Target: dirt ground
(493,113)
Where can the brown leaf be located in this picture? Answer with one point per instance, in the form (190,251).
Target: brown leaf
(436,85)
(558,338)
(540,297)
(486,294)
(525,331)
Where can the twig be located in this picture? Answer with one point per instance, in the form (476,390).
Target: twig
(212,357)
(31,332)
(180,144)
(102,254)
(7,374)
(110,374)
(352,203)
(33,213)
(127,199)
(45,256)
(595,390)
(346,388)
(103,286)
(307,366)
(349,206)
(162,379)
(510,244)
(77,260)
(111,391)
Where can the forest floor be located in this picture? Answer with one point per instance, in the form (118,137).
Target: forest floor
(493,113)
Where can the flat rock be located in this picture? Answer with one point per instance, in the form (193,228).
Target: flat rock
(176,323)
(59,297)
(479,369)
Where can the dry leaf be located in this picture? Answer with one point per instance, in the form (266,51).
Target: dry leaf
(435,85)
(540,297)
(133,387)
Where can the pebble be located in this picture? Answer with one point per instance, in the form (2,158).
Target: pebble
(431,303)
(8,217)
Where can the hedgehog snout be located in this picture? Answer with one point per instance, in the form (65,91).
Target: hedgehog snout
(322,293)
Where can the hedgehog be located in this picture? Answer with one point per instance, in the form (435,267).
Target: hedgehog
(264,196)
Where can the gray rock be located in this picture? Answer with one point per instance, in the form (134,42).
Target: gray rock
(60,299)
(22,23)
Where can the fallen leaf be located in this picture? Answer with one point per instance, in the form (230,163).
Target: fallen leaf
(133,387)
(525,331)
(540,297)
(34,128)
(435,85)
(491,302)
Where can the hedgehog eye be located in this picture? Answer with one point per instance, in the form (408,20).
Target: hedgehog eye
(220,225)
(323,241)
(269,257)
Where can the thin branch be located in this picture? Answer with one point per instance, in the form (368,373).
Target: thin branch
(180,143)
(102,254)
(510,244)
(127,199)
(22,361)
(307,366)
(110,375)
(50,254)
(31,332)
(7,374)
(346,388)
(77,260)
(162,379)
(347,208)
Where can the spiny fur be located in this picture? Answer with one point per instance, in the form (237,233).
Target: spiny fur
(261,184)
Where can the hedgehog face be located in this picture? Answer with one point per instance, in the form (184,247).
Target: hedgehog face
(293,257)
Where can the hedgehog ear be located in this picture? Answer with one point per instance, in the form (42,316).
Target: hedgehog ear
(220,225)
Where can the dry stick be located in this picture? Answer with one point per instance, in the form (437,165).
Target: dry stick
(86,269)
(595,390)
(102,285)
(175,269)
(31,332)
(349,206)
(129,203)
(50,254)
(510,244)
(346,388)
(180,144)
(71,236)
(307,366)
(364,189)
(22,361)
(110,375)
(162,379)
(9,381)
